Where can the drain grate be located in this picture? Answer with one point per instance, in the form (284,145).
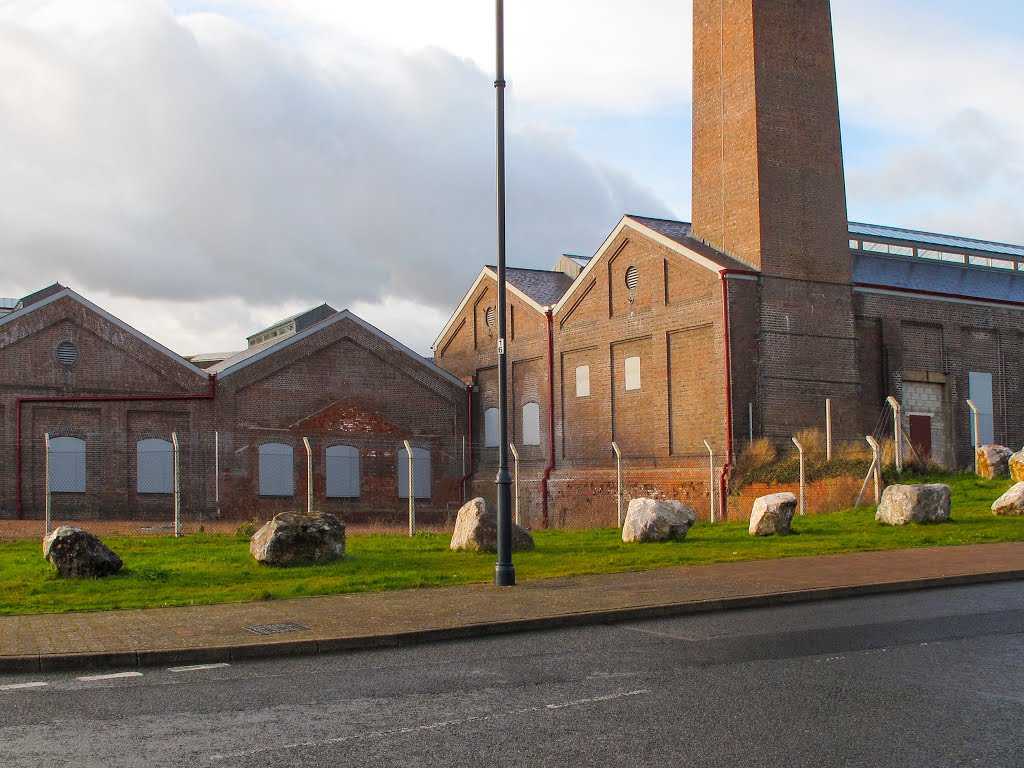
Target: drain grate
(277,629)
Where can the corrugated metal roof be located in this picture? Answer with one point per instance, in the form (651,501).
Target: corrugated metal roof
(930,238)
(937,277)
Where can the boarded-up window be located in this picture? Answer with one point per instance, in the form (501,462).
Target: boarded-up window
(531,424)
(632,373)
(277,470)
(155,462)
(67,465)
(491,428)
(342,472)
(981,395)
(583,381)
(420,473)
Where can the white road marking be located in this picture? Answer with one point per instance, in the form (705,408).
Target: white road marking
(22,686)
(670,635)
(429,726)
(114,676)
(198,667)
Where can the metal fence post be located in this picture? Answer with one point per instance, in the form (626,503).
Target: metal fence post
(897,432)
(711,484)
(977,435)
(618,479)
(49,500)
(309,476)
(515,481)
(177,485)
(828,429)
(876,463)
(412,489)
(803,481)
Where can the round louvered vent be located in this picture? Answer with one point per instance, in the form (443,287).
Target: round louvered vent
(489,317)
(66,353)
(632,278)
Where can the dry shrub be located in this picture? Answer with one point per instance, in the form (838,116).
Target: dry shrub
(813,442)
(853,451)
(760,453)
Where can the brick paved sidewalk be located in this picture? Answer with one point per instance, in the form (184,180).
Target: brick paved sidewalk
(221,632)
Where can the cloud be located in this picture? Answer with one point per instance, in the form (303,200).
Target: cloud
(193,160)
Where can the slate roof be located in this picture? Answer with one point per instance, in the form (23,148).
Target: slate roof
(543,286)
(682,232)
(896,272)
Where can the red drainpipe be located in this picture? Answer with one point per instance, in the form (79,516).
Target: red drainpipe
(728,395)
(209,395)
(551,422)
(469,443)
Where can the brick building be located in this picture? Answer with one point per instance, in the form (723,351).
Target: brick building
(746,320)
(110,398)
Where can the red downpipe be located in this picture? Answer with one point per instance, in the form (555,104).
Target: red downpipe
(551,422)
(469,443)
(728,396)
(209,395)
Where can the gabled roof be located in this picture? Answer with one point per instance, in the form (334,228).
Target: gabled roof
(303,319)
(681,233)
(872,270)
(39,295)
(537,288)
(268,348)
(53,296)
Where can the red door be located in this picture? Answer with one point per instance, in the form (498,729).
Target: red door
(921,435)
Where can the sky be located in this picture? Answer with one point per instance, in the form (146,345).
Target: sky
(202,168)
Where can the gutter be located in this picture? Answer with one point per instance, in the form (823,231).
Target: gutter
(209,395)
(551,420)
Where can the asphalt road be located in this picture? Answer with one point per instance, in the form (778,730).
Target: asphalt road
(930,678)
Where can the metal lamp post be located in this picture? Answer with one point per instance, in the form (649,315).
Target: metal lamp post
(504,571)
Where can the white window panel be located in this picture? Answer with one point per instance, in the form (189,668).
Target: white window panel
(531,424)
(155,462)
(491,428)
(420,473)
(342,472)
(67,465)
(583,381)
(277,470)
(632,373)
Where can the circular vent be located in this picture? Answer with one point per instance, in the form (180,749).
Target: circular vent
(67,353)
(632,278)
(489,317)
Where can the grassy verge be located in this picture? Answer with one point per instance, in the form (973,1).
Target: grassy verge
(214,569)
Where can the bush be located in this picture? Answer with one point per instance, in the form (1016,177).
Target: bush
(249,527)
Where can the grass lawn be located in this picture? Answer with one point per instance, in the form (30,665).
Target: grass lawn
(214,569)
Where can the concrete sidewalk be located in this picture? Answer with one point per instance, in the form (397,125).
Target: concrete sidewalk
(198,634)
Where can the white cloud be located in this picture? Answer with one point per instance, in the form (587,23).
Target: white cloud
(193,160)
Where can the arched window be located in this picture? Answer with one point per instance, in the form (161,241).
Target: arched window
(277,470)
(342,472)
(531,424)
(420,473)
(67,465)
(155,461)
(491,428)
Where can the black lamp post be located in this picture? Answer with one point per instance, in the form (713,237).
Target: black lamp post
(504,571)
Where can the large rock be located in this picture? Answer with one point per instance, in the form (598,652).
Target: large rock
(79,554)
(772,514)
(921,503)
(299,538)
(476,529)
(1016,464)
(1011,503)
(657,520)
(993,461)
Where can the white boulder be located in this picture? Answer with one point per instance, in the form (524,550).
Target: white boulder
(476,529)
(1011,503)
(657,520)
(772,514)
(919,503)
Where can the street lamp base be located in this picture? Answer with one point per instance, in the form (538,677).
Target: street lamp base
(504,575)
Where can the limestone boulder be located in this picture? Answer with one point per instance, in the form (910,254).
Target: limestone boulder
(993,461)
(1016,465)
(476,530)
(1011,503)
(79,554)
(902,504)
(772,514)
(299,538)
(657,520)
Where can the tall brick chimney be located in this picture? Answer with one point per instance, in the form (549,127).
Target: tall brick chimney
(769,189)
